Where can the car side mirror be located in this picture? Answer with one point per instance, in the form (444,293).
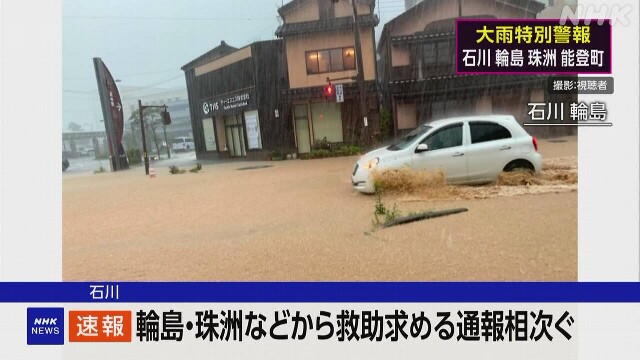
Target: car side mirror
(422,148)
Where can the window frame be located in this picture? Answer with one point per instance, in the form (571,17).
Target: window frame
(331,69)
(446,127)
(486,122)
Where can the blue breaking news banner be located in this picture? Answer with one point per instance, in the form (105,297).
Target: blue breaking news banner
(325,292)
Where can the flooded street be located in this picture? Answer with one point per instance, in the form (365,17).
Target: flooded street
(301,220)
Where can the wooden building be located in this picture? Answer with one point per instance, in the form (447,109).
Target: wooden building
(234,101)
(417,69)
(319,40)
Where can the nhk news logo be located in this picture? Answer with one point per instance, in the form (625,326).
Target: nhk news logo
(99,326)
(46,326)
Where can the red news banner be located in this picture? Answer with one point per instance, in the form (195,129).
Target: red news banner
(99,326)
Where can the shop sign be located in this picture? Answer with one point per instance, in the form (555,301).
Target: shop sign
(339,93)
(253,131)
(232,102)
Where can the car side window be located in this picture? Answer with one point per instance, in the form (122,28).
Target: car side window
(483,131)
(448,137)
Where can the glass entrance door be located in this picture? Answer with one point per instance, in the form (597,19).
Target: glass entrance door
(235,135)
(302,129)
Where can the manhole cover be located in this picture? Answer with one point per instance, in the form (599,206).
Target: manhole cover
(255,167)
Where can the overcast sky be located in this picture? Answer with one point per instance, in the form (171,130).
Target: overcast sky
(145,42)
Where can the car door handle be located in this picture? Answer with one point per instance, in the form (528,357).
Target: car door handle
(505,148)
(458,154)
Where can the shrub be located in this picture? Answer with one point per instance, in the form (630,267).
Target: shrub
(321,153)
(173,170)
(381,209)
(134,156)
(196,169)
(385,124)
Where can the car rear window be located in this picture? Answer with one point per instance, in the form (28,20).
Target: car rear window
(483,131)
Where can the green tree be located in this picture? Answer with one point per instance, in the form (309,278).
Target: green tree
(385,124)
(74,126)
(152,120)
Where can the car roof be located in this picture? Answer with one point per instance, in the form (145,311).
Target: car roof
(453,120)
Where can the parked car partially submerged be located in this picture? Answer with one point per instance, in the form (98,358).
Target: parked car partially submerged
(468,150)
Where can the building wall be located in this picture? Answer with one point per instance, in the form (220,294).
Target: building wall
(555,11)
(296,47)
(307,11)
(400,55)
(271,79)
(344,8)
(439,10)
(221,62)
(310,10)
(408,4)
(262,75)
(406,115)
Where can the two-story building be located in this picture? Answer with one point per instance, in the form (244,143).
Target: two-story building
(320,45)
(417,69)
(234,101)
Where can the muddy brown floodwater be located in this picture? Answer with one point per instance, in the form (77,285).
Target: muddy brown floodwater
(301,220)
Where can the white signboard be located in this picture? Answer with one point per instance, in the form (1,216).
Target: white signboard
(339,93)
(253,129)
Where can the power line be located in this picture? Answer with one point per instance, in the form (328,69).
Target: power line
(127,75)
(92,92)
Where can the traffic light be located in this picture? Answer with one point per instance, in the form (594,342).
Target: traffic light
(329,91)
(166,118)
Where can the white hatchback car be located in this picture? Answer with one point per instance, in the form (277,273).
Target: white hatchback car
(469,150)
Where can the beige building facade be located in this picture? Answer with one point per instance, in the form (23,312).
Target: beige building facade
(321,50)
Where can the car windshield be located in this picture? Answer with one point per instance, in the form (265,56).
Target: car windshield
(409,138)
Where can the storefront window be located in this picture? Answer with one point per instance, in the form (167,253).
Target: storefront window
(302,128)
(209,137)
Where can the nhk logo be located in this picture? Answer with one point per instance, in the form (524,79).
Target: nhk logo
(45,326)
(45,321)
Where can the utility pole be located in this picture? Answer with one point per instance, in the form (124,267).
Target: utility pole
(144,141)
(164,128)
(360,76)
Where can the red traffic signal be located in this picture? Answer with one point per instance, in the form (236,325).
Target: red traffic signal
(329,91)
